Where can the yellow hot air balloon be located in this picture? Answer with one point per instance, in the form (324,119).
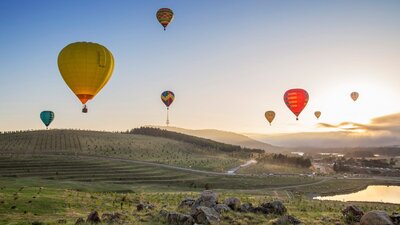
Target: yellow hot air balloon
(270,115)
(354,96)
(317,114)
(86,67)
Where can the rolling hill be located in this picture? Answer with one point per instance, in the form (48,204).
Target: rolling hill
(225,137)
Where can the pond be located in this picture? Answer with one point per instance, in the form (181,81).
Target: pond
(373,193)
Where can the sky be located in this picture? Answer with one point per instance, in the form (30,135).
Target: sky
(227,62)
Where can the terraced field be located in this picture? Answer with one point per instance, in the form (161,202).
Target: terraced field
(127,146)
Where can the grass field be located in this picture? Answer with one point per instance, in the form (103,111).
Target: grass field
(29,200)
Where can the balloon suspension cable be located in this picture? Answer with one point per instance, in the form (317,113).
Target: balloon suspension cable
(167,116)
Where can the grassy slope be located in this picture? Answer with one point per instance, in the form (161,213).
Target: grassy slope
(136,147)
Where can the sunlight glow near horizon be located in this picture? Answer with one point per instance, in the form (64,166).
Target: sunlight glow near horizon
(225,71)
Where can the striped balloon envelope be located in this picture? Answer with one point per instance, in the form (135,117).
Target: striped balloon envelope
(296,100)
(165,16)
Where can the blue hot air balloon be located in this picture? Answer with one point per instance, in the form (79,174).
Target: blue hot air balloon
(47,117)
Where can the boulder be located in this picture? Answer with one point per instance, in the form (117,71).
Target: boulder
(233,203)
(113,218)
(221,208)
(174,218)
(284,220)
(352,213)
(205,215)
(246,207)
(93,217)
(187,203)
(376,218)
(79,221)
(275,207)
(208,198)
(141,206)
(395,217)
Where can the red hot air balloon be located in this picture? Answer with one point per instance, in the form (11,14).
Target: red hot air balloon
(296,100)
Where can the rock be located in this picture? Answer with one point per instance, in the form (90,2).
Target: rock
(163,213)
(174,218)
(208,198)
(187,203)
(395,217)
(93,217)
(233,203)
(205,215)
(141,206)
(275,207)
(376,218)
(80,220)
(284,220)
(352,213)
(112,218)
(246,207)
(221,208)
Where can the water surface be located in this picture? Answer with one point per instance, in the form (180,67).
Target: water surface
(373,193)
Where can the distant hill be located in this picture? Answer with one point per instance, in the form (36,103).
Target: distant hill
(225,137)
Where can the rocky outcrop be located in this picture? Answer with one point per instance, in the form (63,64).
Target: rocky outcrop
(285,220)
(206,215)
(352,213)
(246,207)
(207,198)
(233,203)
(221,208)
(93,217)
(376,218)
(174,218)
(275,207)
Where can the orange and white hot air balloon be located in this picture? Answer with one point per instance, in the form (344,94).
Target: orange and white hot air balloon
(296,99)
(354,95)
(270,115)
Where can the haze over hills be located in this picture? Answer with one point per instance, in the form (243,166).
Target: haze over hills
(225,137)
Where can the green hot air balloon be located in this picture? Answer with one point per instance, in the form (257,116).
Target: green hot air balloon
(47,117)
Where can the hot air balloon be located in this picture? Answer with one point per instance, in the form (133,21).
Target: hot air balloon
(317,114)
(270,115)
(164,16)
(47,117)
(167,97)
(354,96)
(296,100)
(86,68)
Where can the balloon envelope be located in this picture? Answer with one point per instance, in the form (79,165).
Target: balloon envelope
(354,96)
(167,97)
(165,16)
(296,100)
(317,114)
(270,115)
(47,117)
(86,68)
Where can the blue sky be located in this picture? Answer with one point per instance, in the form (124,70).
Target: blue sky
(227,62)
